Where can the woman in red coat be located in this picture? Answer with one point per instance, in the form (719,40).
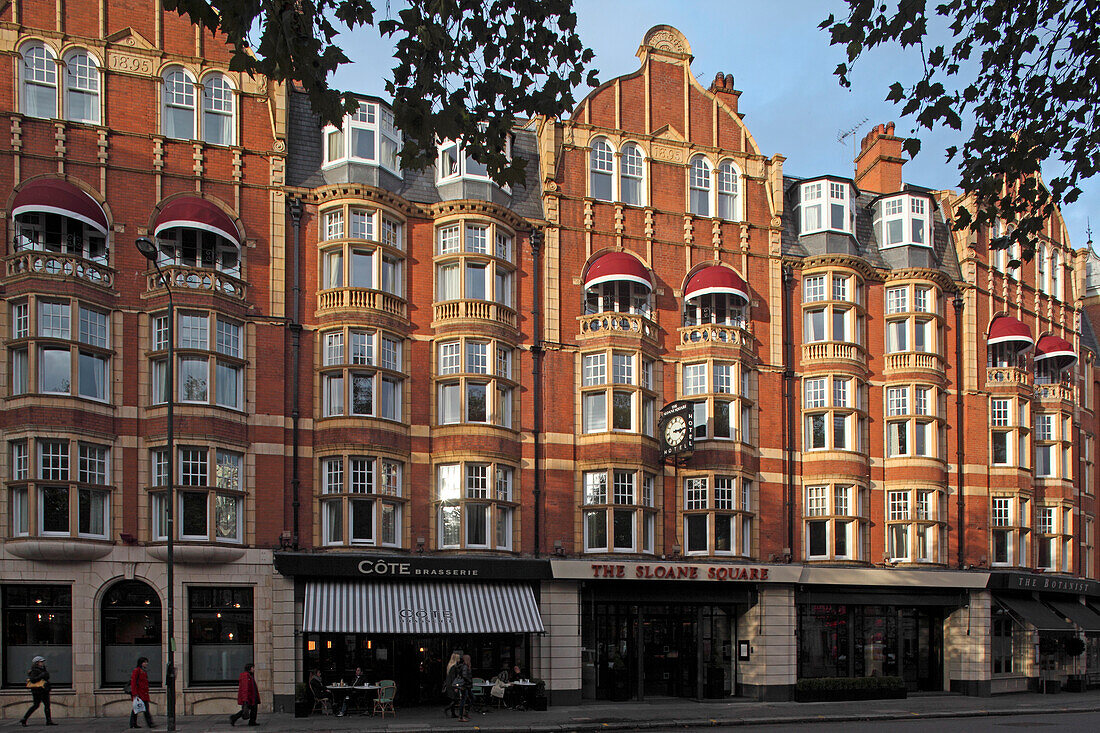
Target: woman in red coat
(248,696)
(139,689)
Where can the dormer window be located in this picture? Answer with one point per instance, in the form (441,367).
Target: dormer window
(368,135)
(827,206)
(454,162)
(903,220)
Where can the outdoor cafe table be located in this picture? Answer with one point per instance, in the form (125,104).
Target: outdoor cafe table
(339,692)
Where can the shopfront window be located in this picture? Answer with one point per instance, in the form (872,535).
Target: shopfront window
(131,629)
(220,634)
(1009,642)
(37,621)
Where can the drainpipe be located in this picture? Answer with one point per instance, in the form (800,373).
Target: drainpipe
(788,406)
(536,376)
(961,510)
(295,205)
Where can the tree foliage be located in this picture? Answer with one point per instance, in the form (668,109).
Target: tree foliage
(464,69)
(1026,71)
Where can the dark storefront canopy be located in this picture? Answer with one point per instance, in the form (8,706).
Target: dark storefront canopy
(1035,613)
(420,608)
(1079,614)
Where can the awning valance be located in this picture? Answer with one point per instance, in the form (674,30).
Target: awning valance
(343,607)
(1054,347)
(617,266)
(1078,613)
(1008,330)
(716,279)
(1035,613)
(58,196)
(191,211)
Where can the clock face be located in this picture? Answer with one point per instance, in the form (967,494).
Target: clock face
(675,431)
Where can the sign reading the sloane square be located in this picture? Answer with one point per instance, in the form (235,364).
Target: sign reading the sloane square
(408,567)
(673,571)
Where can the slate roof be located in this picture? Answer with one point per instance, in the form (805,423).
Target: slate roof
(305,158)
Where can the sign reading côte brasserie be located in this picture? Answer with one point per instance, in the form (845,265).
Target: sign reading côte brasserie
(671,571)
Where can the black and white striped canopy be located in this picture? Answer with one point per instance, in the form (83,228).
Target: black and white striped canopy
(342,607)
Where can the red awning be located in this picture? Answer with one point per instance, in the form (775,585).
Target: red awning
(716,279)
(1053,347)
(58,196)
(615,266)
(1008,330)
(191,211)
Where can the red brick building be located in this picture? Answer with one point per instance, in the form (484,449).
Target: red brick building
(421,391)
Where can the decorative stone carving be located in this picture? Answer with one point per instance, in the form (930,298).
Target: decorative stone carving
(668,153)
(666,38)
(127,63)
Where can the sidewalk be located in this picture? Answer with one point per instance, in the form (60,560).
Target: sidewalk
(663,713)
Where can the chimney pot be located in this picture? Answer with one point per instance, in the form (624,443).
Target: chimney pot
(878,165)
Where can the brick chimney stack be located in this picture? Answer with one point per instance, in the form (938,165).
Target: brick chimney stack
(722,87)
(878,165)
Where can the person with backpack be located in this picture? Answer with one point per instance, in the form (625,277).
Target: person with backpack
(139,691)
(38,682)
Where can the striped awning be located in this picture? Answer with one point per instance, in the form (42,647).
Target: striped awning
(341,607)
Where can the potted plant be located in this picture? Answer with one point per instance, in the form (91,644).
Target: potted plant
(539,700)
(302,703)
(1074,647)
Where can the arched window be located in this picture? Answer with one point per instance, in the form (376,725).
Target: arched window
(38,88)
(602,166)
(130,617)
(217,110)
(729,205)
(1055,275)
(630,178)
(699,184)
(178,105)
(81,87)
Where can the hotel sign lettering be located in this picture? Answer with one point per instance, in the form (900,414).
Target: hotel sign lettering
(677,571)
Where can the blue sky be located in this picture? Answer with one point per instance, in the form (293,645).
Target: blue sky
(782,63)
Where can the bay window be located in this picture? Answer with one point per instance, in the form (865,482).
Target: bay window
(913,529)
(912,421)
(362,501)
(477,388)
(210,494)
(618,511)
(723,410)
(832,412)
(903,219)
(912,324)
(826,205)
(210,362)
(474,261)
(67,495)
(1010,530)
(475,505)
(67,352)
(362,373)
(366,135)
(833,522)
(717,515)
(839,316)
(626,403)
(370,253)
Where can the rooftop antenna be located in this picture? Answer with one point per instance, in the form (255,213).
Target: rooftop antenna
(1088,232)
(842,135)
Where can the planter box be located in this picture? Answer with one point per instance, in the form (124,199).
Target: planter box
(838,695)
(850,688)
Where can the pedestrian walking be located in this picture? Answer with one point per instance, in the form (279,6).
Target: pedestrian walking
(450,689)
(139,690)
(465,680)
(38,681)
(248,696)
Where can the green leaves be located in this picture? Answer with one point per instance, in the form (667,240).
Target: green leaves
(1033,94)
(464,69)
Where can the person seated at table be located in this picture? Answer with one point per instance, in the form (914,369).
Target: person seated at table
(517,674)
(357,681)
(319,691)
(503,675)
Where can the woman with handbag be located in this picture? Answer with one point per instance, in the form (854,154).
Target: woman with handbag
(38,681)
(139,689)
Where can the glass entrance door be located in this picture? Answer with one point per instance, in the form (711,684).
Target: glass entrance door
(670,650)
(920,634)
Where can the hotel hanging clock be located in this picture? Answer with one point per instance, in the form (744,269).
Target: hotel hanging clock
(676,429)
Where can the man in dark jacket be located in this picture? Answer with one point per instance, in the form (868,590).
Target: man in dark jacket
(139,690)
(38,680)
(465,674)
(248,696)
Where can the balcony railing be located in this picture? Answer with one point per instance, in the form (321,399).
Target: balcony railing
(1007,376)
(195,278)
(484,310)
(61,266)
(914,360)
(822,352)
(1054,392)
(716,334)
(360,299)
(602,324)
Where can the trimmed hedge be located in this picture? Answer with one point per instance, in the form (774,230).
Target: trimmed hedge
(826,689)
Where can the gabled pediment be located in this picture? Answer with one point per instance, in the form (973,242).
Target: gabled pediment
(669,133)
(130,37)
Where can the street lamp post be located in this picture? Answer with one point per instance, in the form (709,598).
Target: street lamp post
(148,249)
